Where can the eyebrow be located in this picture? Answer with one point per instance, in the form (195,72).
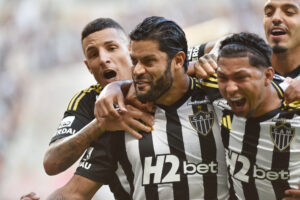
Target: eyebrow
(144,57)
(149,56)
(105,43)
(268,7)
(241,71)
(219,71)
(109,42)
(288,5)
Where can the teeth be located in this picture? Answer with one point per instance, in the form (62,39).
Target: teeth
(236,98)
(276,31)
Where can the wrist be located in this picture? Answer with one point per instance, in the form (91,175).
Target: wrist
(97,128)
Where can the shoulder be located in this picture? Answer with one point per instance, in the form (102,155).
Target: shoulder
(87,95)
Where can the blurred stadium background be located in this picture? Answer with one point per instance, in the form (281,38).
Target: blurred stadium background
(41,68)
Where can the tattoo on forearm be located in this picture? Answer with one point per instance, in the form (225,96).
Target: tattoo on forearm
(75,147)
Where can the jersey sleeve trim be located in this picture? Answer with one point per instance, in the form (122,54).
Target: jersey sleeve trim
(211,82)
(73,105)
(92,177)
(278,89)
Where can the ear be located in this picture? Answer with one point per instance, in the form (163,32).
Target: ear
(269,73)
(87,65)
(179,60)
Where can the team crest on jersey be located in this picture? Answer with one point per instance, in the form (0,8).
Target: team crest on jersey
(282,136)
(202,122)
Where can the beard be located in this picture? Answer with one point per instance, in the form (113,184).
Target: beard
(158,87)
(279,49)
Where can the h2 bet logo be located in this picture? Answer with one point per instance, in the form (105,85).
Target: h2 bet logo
(240,169)
(165,169)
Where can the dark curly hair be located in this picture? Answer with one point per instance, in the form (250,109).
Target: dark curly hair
(247,45)
(167,33)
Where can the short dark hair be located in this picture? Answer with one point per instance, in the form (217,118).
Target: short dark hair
(98,25)
(247,45)
(170,37)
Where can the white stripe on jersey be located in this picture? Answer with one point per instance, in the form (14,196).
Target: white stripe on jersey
(295,155)
(132,147)
(160,147)
(264,144)
(195,181)
(236,144)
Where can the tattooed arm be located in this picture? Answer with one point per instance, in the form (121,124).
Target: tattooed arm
(78,188)
(62,153)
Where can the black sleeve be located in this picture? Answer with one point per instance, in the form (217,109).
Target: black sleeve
(195,52)
(79,113)
(98,163)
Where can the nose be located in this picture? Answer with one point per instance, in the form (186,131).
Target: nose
(231,88)
(277,17)
(104,57)
(138,69)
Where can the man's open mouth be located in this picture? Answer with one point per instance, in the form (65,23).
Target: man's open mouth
(238,102)
(108,74)
(278,31)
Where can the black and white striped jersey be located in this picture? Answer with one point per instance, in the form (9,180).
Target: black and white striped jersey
(262,154)
(182,158)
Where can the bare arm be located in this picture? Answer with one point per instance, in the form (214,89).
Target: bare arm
(78,188)
(64,152)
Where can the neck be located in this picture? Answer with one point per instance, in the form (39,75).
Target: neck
(285,63)
(270,101)
(179,87)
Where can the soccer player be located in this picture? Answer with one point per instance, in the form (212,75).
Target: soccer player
(183,157)
(259,130)
(105,46)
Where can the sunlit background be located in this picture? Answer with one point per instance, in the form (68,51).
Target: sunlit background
(41,69)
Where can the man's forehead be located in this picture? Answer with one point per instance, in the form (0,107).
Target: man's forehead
(283,1)
(108,34)
(144,47)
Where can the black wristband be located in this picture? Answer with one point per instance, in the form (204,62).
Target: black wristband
(201,50)
(196,52)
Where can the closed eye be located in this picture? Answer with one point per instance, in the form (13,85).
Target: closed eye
(112,47)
